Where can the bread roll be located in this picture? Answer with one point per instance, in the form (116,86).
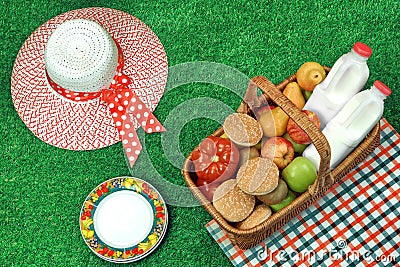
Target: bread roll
(258,216)
(258,176)
(243,129)
(232,203)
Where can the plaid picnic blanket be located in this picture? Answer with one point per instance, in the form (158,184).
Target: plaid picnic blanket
(355,224)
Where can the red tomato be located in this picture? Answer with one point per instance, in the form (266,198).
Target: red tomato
(215,158)
(207,189)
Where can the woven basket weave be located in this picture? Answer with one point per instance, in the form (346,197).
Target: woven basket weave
(249,238)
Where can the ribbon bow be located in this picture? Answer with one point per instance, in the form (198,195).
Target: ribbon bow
(125,107)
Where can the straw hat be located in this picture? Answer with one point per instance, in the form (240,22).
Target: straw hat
(89,78)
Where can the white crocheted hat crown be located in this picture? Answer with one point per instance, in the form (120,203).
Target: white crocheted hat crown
(81,51)
(81,56)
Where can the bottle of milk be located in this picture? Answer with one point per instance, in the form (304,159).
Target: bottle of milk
(352,124)
(346,78)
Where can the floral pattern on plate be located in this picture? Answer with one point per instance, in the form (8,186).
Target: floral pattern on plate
(98,194)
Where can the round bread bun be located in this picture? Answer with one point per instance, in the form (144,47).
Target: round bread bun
(276,196)
(258,176)
(258,216)
(243,129)
(232,203)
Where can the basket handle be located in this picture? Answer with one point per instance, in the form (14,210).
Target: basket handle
(324,178)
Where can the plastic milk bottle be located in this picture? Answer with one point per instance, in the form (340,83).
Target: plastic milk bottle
(346,78)
(352,124)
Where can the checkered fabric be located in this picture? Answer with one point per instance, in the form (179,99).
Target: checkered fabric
(355,224)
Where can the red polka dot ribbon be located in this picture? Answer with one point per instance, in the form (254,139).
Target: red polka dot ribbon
(125,107)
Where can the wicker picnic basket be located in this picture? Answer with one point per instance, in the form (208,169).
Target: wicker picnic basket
(249,238)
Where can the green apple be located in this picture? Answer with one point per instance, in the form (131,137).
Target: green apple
(306,94)
(286,201)
(299,174)
(298,148)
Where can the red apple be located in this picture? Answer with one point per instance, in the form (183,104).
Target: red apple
(296,133)
(280,150)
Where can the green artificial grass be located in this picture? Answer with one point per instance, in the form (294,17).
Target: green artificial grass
(42,187)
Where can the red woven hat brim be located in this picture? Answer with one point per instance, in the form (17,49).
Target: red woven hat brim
(86,125)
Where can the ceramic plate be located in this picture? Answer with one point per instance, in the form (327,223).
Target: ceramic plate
(123,219)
